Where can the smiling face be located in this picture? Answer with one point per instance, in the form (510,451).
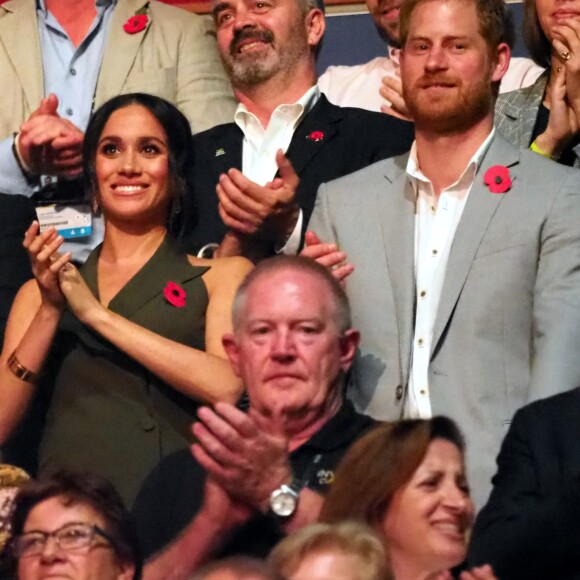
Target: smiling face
(288,348)
(95,562)
(385,14)
(447,67)
(259,39)
(132,167)
(428,520)
(553,13)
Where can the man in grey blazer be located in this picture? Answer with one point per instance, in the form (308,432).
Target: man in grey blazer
(466,286)
(83,53)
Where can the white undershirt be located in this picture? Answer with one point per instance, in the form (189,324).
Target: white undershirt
(435,226)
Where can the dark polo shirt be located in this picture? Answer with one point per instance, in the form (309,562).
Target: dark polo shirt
(173,492)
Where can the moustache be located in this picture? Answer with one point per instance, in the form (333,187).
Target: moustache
(430,80)
(250,34)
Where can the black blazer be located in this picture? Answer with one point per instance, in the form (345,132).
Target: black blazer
(351,139)
(530,527)
(16,215)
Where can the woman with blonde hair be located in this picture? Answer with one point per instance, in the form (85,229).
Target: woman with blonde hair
(344,551)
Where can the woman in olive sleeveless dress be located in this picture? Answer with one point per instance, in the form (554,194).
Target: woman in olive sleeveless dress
(133,346)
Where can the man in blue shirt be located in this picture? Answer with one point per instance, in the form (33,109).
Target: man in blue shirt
(60,60)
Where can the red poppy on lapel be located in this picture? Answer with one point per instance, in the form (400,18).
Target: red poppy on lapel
(315,136)
(174,294)
(136,23)
(498,179)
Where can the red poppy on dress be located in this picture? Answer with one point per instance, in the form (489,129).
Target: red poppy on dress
(498,179)
(136,23)
(316,136)
(174,294)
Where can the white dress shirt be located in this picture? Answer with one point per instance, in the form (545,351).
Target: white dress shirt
(260,145)
(436,222)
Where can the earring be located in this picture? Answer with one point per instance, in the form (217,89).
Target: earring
(176,206)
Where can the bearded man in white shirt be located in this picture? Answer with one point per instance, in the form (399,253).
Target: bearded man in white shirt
(269,51)
(466,286)
(376,84)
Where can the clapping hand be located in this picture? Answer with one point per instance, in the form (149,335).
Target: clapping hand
(49,144)
(328,255)
(78,295)
(46,262)
(245,454)
(268,211)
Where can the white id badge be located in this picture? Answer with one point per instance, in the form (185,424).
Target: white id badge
(70,221)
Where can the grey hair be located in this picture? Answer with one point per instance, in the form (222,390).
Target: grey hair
(342,315)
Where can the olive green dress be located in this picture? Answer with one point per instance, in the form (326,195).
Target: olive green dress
(108,414)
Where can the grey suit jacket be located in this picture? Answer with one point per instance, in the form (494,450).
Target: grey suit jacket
(507,329)
(175,57)
(516,113)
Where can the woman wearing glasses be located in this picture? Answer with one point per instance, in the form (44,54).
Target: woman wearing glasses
(73,526)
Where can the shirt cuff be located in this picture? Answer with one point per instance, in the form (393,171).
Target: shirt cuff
(292,245)
(12,180)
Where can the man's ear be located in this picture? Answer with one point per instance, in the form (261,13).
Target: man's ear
(502,56)
(349,342)
(315,26)
(230,345)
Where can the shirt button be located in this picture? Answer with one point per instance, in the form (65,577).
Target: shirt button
(423,293)
(73,71)
(420,342)
(434,252)
(423,391)
(433,209)
(399,392)
(69,112)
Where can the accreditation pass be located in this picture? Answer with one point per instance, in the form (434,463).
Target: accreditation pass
(70,221)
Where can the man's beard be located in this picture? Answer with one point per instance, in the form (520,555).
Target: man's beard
(452,113)
(253,68)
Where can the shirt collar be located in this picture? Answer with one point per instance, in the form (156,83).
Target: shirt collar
(415,174)
(301,107)
(342,428)
(41,4)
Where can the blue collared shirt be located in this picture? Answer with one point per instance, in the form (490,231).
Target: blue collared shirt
(71,73)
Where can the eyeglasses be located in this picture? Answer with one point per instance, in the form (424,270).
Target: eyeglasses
(70,537)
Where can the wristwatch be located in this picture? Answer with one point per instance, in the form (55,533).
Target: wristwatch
(284,500)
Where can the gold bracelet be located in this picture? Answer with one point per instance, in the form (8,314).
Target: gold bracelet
(534,147)
(20,371)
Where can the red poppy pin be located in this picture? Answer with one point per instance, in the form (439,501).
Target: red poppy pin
(138,22)
(174,294)
(498,179)
(316,136)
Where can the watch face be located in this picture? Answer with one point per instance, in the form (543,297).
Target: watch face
(283,503)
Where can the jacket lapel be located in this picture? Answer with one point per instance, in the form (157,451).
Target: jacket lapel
(521,111)
(479,211)
(303,148)
(121,50)
(149,282)
(19,24)
(397,214)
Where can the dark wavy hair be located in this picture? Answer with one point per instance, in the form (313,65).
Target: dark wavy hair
(179,140)
(536,41)
(88,489)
